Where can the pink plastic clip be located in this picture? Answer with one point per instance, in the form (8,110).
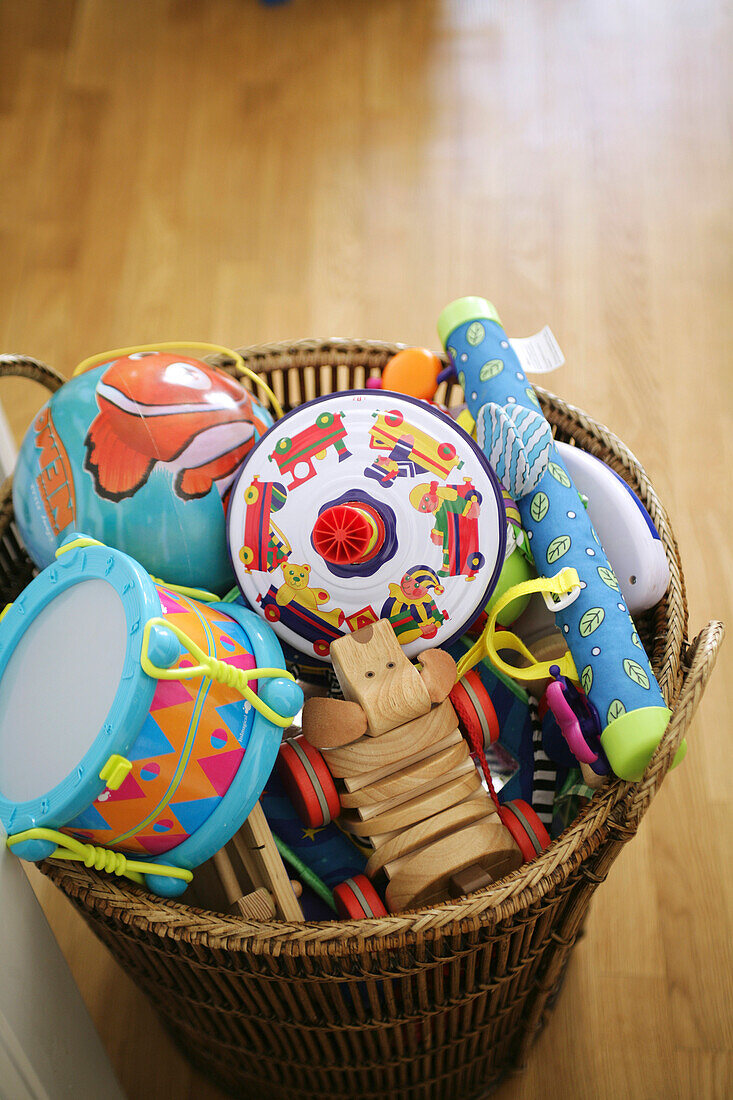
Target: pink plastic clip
(569,724)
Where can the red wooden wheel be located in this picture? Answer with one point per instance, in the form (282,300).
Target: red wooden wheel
(475,710)
(356,898)
(529,833)
(308,782)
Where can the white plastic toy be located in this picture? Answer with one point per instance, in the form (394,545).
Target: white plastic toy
(627,534)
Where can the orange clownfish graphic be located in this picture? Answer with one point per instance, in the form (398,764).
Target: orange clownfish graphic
(169,411)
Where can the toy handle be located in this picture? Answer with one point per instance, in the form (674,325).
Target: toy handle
(24,366)
(16,570)
(38,843)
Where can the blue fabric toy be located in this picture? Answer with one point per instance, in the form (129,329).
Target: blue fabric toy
(612,666)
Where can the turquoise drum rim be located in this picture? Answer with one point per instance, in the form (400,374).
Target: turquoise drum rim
(140,601)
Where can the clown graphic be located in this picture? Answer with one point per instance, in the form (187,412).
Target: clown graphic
(410,607)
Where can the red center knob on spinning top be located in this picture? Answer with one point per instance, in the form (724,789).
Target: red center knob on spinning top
(348,534)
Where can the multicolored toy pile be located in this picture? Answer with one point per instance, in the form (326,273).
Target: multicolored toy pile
(336,545)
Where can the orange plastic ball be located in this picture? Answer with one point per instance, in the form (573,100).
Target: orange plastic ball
(413,371)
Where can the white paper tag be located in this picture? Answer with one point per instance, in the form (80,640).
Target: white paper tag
(538,354)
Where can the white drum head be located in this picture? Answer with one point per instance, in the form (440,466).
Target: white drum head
(58,687)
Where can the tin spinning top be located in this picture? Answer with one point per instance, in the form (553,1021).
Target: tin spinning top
(366,505)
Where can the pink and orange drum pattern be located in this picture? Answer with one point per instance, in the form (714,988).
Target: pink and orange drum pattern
(188,750)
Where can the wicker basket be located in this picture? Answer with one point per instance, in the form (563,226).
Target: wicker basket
(436,1003)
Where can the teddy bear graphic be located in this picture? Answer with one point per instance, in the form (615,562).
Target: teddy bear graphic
(295,588)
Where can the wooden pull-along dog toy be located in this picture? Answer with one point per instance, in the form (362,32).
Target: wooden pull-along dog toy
(390,762)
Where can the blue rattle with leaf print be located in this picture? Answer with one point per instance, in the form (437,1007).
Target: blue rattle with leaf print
(613,668)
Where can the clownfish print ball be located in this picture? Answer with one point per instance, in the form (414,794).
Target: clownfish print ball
(140,452)
(174,411)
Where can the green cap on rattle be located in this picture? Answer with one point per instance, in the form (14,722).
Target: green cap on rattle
(462,310)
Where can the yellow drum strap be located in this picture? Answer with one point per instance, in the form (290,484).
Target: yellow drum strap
(215,669)
(561,585)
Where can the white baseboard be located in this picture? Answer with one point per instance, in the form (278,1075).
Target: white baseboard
(8,450)
(49,1047)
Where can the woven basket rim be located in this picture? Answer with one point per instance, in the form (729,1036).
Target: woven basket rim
(529,884)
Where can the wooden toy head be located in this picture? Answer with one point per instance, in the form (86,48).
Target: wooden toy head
(374,672)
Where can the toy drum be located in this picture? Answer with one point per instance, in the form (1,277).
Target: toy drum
(134,716)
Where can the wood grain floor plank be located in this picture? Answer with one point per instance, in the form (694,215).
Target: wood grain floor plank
(236,172)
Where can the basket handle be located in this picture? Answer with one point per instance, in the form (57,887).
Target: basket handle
(23,366)
(699,662)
